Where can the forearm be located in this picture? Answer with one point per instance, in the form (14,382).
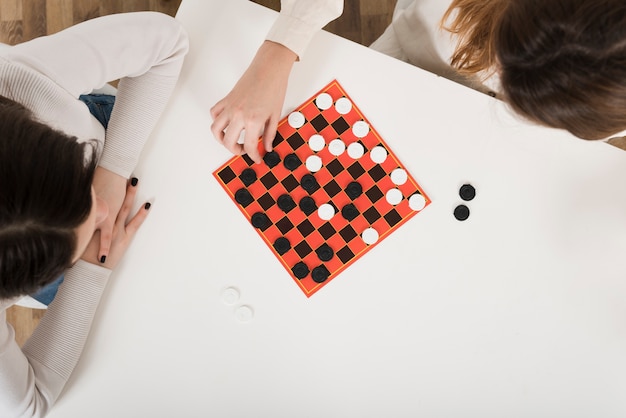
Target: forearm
(300,20)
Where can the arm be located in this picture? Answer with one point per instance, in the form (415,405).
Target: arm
(256,101)
(31,379)
(145,51)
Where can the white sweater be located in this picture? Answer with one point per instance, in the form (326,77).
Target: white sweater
(145,51)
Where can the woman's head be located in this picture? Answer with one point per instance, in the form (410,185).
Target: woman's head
(562,63)
(45,196)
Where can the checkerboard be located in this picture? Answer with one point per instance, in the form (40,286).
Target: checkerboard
(326,155)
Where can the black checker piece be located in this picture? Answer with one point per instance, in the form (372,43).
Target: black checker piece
(309,183)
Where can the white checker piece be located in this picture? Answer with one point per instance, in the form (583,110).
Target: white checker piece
(336,147)
(343,106)
(230,296)
(378,154)
(360,129)
(296,120)
(324,101)
(417,202)
(244,314)
(369,236)
(355,150)
(326,211)
(393,196)
(313,163)
(317,142)
(399,176)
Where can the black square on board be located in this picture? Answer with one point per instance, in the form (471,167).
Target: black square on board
(332,188)
(306,228)
(290,183)
(377,173)
(345,254)
(227,175)
(266,201)
(295,141)
(327,230)
(356,170)
(284,225)
(269,180)
(334,167)
(277,140)
(319,122)
(393,217)
(340,125)
(348,233)
(372,215)
(303,249)
(247,159)
(374,194)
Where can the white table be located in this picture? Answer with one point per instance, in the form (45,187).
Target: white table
(519,311)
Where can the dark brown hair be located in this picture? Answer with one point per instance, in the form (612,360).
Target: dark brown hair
(45,194)
(562,63)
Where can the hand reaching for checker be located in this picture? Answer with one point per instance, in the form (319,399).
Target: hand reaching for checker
(255,103)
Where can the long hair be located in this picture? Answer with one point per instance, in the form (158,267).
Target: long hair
(45,194)
(562,63)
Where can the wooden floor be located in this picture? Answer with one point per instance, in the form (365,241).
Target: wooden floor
(21,20)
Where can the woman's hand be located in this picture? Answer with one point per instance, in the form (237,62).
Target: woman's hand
(255,103)
(122,232)
(111,188)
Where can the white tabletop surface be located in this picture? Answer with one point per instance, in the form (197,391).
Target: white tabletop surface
(520,311)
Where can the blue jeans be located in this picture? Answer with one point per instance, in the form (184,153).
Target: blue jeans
(100,106)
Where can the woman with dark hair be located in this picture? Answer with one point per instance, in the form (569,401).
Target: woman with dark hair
(65,193)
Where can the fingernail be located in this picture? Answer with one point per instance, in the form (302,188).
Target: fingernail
(133,181)
(103,259)
(147,206)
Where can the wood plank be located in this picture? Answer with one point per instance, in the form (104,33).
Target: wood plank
(34,19)
(11,32)
(85,10)
(59,15)
(10,10)
(169,7)
(24,321)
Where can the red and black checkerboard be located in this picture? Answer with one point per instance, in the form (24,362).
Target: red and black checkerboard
(313,250)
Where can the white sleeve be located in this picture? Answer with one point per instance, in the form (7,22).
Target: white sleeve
(144,50)
(300,20)
(32,378)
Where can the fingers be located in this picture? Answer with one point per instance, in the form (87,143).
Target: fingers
(269,134)
(106,236)
(251,144)
(137,220)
